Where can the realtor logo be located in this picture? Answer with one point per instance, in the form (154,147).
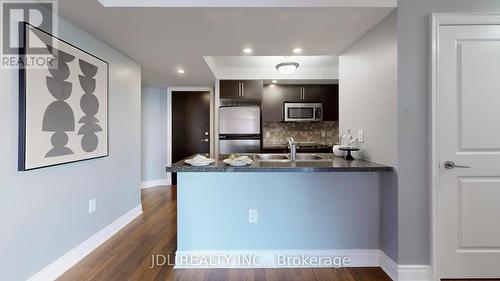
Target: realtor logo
(14,14)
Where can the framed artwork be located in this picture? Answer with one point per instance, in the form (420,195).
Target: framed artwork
(63,107)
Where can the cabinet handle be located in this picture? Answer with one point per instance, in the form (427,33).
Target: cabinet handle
(242,89)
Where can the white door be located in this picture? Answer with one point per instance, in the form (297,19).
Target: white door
(469,135)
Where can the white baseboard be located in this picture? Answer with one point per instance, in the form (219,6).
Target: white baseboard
(270,259)
(153,183)
(414,273)
(404,272)
(389,266)
(62,264)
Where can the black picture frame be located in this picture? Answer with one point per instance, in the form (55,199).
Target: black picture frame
(23,96)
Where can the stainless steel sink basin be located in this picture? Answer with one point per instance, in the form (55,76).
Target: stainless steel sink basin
(286,157)
(301,156)
(272,157)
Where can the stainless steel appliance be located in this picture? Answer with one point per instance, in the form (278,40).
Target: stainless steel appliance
(301,112)
(239,129)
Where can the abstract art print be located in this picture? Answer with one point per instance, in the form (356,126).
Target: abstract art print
(63,106)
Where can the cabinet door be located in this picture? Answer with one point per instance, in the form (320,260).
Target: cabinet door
(252,89)
(312,93)
(230,89)
(330,99)
(292,93)
(272,103)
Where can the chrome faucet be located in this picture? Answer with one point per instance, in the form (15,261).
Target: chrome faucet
(292,145)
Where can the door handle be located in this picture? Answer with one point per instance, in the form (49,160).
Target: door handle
(451,165)
(205,140)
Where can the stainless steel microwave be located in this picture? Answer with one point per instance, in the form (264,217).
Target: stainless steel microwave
(302,112)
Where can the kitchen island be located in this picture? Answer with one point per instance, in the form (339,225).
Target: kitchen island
(316,205)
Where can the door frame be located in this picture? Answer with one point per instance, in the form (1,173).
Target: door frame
(170,91)
(438,20)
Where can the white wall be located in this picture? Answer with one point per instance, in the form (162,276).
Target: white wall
(413,119)
(154,133)
(44,212)
(368,101)
(368,91)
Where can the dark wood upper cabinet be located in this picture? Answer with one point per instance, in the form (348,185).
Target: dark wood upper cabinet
(272,103)
(230,89)
(292,93)
(241,89)
(252,89)
(275,95)
(330,100)
(303,93)
(312,93)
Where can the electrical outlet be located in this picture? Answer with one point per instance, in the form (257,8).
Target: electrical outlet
(361,136)
(323,134)
(253,216)
(92,205)
(268,134)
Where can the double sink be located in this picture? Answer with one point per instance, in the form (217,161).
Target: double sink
(287,158)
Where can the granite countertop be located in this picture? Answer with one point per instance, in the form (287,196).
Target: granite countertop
(330,163)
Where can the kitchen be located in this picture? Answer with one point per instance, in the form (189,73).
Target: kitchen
(272,184)
(306,113)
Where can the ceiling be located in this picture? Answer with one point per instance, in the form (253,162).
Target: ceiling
(249,3)
(271,61)
(163,39)
(264,67)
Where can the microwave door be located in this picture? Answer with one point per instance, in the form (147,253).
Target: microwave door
(300,113)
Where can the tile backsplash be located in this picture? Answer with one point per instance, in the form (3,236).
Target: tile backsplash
(326,132)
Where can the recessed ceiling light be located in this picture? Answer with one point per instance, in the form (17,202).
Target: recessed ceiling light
(287,67)
(297,50)
(180,71)
(247,51)
(274,81)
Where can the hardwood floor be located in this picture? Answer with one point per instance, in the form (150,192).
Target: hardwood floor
(127,255)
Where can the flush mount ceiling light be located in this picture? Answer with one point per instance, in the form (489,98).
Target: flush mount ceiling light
(247,51)
(180,71)
(287,67)
(297,50)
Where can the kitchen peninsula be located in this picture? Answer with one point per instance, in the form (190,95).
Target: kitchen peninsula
(305,162)
(318,204)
